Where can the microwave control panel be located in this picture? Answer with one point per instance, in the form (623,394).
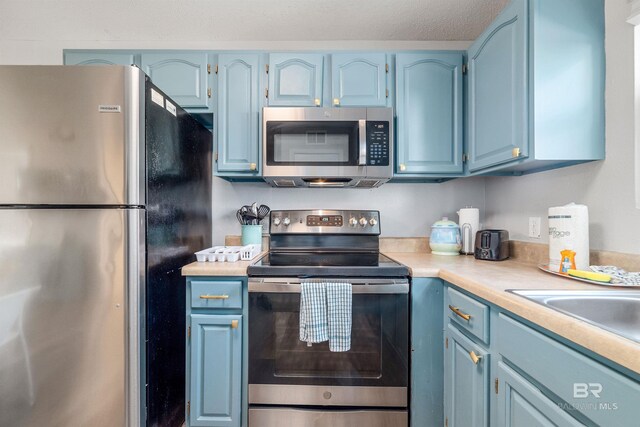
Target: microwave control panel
(377,143)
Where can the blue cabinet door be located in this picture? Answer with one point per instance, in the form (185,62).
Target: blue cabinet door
(466,381)
(498,111)
(426,352)
(100,58)
(522,404)
(238,113)
(429,110)
(184,76)
(295,79)
(359,80)
(216,370)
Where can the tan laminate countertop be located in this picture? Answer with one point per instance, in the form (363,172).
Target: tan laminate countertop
(490,280)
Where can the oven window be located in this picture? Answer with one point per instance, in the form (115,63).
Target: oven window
(379,344)
(312,143)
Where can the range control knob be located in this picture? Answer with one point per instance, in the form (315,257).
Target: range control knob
(373,222)
(363,222)
(286,222)
(276,221)
(353,222)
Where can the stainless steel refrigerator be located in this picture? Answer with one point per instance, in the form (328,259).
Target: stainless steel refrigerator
(105,192)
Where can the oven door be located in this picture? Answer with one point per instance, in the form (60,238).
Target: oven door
(314,142)
(286,371)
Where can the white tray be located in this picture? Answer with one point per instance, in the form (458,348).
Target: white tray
(228,253)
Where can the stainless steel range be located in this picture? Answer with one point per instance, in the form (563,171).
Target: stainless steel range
(293,384)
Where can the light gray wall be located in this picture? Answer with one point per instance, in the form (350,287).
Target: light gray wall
(606,187)
(406,209)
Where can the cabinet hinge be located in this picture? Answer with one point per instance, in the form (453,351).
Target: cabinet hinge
(216,156)
(446,343)
(496,384)
(208,68)
(189,408)
(446,422)
(465,68)
(386,68)
(266,93)
(216,68)
(465,157)
(189,332)
(209,92)
(387,93)
(266,68)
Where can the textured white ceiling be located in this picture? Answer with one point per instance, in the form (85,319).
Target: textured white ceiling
(246,20)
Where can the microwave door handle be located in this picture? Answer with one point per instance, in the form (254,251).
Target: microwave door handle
(362,158)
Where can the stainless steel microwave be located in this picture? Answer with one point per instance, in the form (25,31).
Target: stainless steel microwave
(327,147)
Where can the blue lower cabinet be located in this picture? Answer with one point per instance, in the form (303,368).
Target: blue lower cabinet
(466,381)
(520,403)
(216,370)
(591,391)
(426,352)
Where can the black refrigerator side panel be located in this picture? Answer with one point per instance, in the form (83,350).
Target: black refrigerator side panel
(178,158)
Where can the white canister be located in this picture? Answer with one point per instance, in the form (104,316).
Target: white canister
(469,221)
(569,229)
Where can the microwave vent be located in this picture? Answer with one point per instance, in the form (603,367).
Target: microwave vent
(284,183)
(367,183)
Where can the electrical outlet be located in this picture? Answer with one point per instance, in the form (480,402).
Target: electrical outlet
(534,227)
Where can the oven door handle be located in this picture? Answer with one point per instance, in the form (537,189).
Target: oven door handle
(295,288)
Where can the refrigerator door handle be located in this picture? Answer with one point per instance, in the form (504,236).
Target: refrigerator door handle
(135,290)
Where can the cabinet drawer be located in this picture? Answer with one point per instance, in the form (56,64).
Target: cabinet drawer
(472,315)
(597,391)
(214,294)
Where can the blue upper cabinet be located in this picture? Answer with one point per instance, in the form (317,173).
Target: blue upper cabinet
(359,79)
(536,88)
(238,113)
(498,90)
(100,58)
(429,113)
(184,76)
(216,370)
(295,79)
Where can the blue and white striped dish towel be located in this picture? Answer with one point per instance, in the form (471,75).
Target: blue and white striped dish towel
(313,313)
(339,297)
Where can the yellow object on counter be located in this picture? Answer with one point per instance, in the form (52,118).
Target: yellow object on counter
(590,275)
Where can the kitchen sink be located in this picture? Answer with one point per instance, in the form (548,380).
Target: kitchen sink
(617,311)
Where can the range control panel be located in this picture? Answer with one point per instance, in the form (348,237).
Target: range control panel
(377,143)
(325,222)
